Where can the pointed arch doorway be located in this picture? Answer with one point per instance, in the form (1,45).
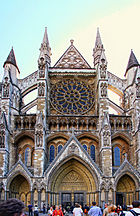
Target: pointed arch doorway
(19,188)
(125,191)
(72,182)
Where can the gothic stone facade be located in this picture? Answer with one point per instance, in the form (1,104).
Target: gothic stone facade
(71,149)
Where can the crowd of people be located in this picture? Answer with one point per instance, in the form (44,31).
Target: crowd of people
(14,207)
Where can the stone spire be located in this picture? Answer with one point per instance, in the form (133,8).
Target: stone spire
(97,49)
(133,62)
(98,41)
(11,59)
(45,50)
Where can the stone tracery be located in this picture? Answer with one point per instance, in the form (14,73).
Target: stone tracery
(71,97)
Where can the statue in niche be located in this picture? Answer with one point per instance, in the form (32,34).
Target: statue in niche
(41,89)
(103,68)
(103,89)
(106,135)
(39,138)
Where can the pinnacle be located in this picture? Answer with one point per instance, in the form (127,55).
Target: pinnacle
(45,38)
(45,47)
(11,59)
(98,38)
(132,61)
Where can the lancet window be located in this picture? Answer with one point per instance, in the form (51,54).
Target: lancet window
(52,153)
(92,152)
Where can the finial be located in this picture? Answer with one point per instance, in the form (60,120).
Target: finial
(125,155)
(71,41)
(19,156)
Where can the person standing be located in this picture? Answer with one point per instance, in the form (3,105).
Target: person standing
(135,211)
(44,208)
(105,212)
(36,212)
(77,211)
(30,208)
(95,210)
(111,210)
(50,211)
(86,209)
(57,211)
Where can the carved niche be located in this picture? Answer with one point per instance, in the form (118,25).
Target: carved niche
(39,135)
(41,89)
(103,89)
(106,135)
(41,66)
(103,68)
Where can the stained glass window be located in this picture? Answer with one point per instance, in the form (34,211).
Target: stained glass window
(116,156)
(71,97)
(85,147)
(59,148)
(52,152)
(27,156)
(92,152)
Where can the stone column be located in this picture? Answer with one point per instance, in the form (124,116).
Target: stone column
(106,196)
(113,196)
(99,204)
(39,199)
(32,198)
(60,194)
(46,199)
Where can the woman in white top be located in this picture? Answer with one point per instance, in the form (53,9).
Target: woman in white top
(77,211)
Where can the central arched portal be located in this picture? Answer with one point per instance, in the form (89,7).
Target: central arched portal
(19,188)
(73,182)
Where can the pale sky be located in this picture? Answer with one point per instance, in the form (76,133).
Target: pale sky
(23,22)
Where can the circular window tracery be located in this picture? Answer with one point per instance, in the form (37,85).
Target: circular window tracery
(72,97)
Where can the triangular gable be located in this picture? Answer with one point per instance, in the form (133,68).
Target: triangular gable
(73,148)
(126,166)
(72,59)
(19,166)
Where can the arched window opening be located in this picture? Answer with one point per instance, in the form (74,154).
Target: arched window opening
(92,152)
(52,151)
(85,147)
(27,157)
(117,156)
(59,148)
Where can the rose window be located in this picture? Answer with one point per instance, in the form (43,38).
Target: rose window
(72,97)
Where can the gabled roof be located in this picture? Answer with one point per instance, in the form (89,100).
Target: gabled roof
(132,62)
(11,59)
(72,59)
